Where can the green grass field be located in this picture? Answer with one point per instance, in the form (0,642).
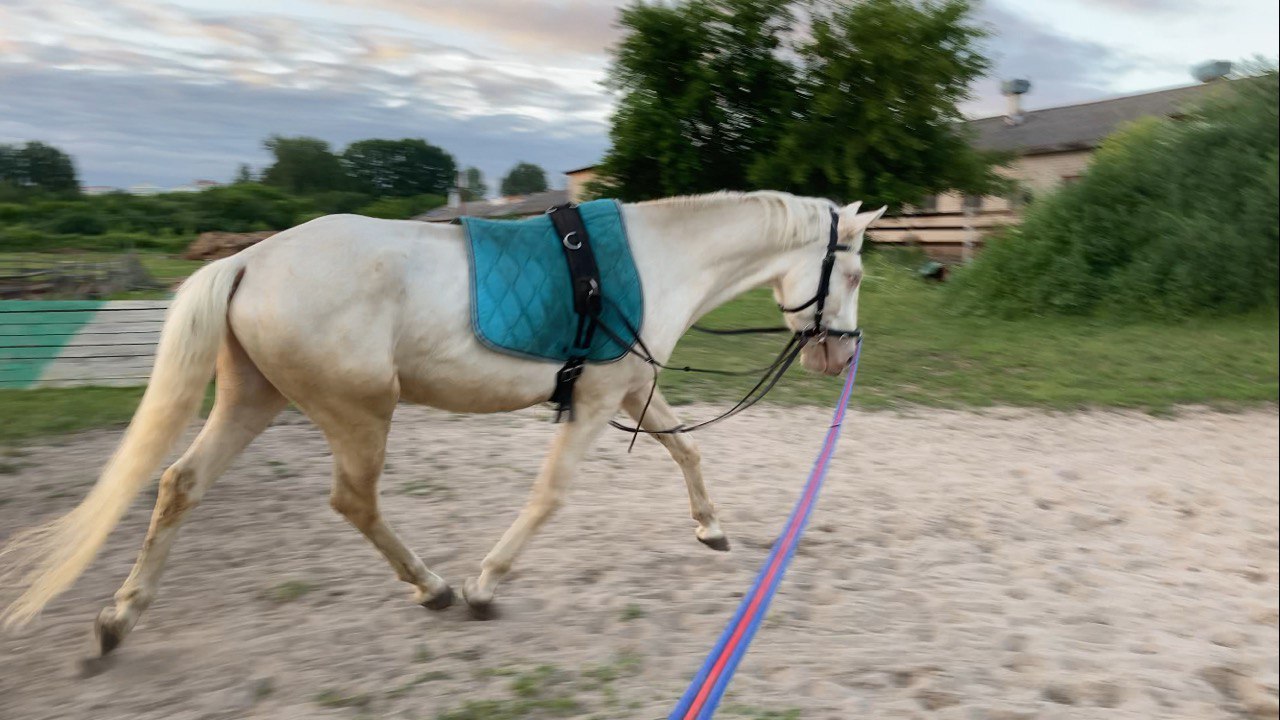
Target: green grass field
(915,353)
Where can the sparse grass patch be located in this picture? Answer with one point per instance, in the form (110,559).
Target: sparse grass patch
(281,470)
(632,612)
(419,679)
(538,681)
(289,591)
(424,488)
(341,699)
(547,691)
(262,689)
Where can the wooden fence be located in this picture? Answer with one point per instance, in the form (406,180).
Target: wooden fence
(61,343)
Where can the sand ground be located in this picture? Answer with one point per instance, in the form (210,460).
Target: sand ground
(995,565)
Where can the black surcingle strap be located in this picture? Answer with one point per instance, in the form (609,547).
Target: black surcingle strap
(584,276)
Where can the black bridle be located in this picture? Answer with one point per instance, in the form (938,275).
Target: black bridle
(772,373)
(819,300)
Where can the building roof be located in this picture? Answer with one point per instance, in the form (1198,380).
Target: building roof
(501,207)
(1083,126)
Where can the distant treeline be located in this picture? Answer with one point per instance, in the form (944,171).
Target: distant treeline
(42,208)
(168,222)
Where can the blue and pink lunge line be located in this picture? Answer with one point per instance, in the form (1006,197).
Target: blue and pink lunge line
(700,700)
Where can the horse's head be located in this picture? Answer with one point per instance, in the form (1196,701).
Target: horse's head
(797,292)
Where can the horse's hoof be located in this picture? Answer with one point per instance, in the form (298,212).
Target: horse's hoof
(716,543)
(108,633)
(481,607)
(440,601)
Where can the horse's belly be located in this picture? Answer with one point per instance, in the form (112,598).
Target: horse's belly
(480,381)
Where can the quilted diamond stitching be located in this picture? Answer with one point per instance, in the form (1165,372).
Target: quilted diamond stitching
(520,284)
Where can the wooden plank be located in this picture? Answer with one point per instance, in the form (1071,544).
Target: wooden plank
(96,368)
(62,317)
(99,325)
(91,351)
(150,338)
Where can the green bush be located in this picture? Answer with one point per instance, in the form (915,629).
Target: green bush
(78,222)
(1172,218)
(339,201)
(246,207)
(401,208)
(43,221)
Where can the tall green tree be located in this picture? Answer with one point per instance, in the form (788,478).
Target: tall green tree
(523,179)
(399,168)
(878,120)
(37,165)
(303,165)
(864,106)
(703,93)
(473,187)
(243,174)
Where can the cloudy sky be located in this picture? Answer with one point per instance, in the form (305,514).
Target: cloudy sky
(166,91)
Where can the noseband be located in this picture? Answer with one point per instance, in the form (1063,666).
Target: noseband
(817,331)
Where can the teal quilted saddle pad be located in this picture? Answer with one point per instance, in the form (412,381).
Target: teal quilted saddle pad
(521,294)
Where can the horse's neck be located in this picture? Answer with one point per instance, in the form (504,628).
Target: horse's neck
(696,258)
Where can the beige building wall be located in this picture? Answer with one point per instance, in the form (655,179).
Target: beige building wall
(577,181)
(1042,173)
(947,231)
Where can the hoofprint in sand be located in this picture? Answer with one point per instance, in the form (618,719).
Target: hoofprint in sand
(1002,564)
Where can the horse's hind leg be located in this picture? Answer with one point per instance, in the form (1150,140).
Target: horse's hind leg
(685,452)
(357,433)
(246,403)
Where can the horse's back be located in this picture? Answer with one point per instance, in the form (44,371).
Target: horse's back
(315,293)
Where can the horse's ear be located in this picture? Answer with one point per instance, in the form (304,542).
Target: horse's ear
(861,221)
(850,211)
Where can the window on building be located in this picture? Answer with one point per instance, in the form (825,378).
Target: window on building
(973,203)
(928,204)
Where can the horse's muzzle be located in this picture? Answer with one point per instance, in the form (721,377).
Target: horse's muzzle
(829,356)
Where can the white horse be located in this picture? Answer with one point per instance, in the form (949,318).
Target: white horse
(345,316)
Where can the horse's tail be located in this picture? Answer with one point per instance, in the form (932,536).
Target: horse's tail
(45,561)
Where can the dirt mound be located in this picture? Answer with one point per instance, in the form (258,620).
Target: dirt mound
(215,245)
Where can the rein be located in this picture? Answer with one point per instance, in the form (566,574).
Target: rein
(771,374)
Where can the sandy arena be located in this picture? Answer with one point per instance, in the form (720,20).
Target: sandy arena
(998,565)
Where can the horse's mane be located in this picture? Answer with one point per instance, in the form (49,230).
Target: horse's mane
(792,219)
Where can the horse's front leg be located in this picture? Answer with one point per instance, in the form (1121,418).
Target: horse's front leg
(660,416)
(592,412)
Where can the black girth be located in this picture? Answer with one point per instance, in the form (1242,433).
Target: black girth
(587,300)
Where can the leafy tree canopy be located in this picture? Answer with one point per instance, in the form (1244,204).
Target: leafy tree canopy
(523,179)
(303,165)
(862,104)
(399,168)
(38,166)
